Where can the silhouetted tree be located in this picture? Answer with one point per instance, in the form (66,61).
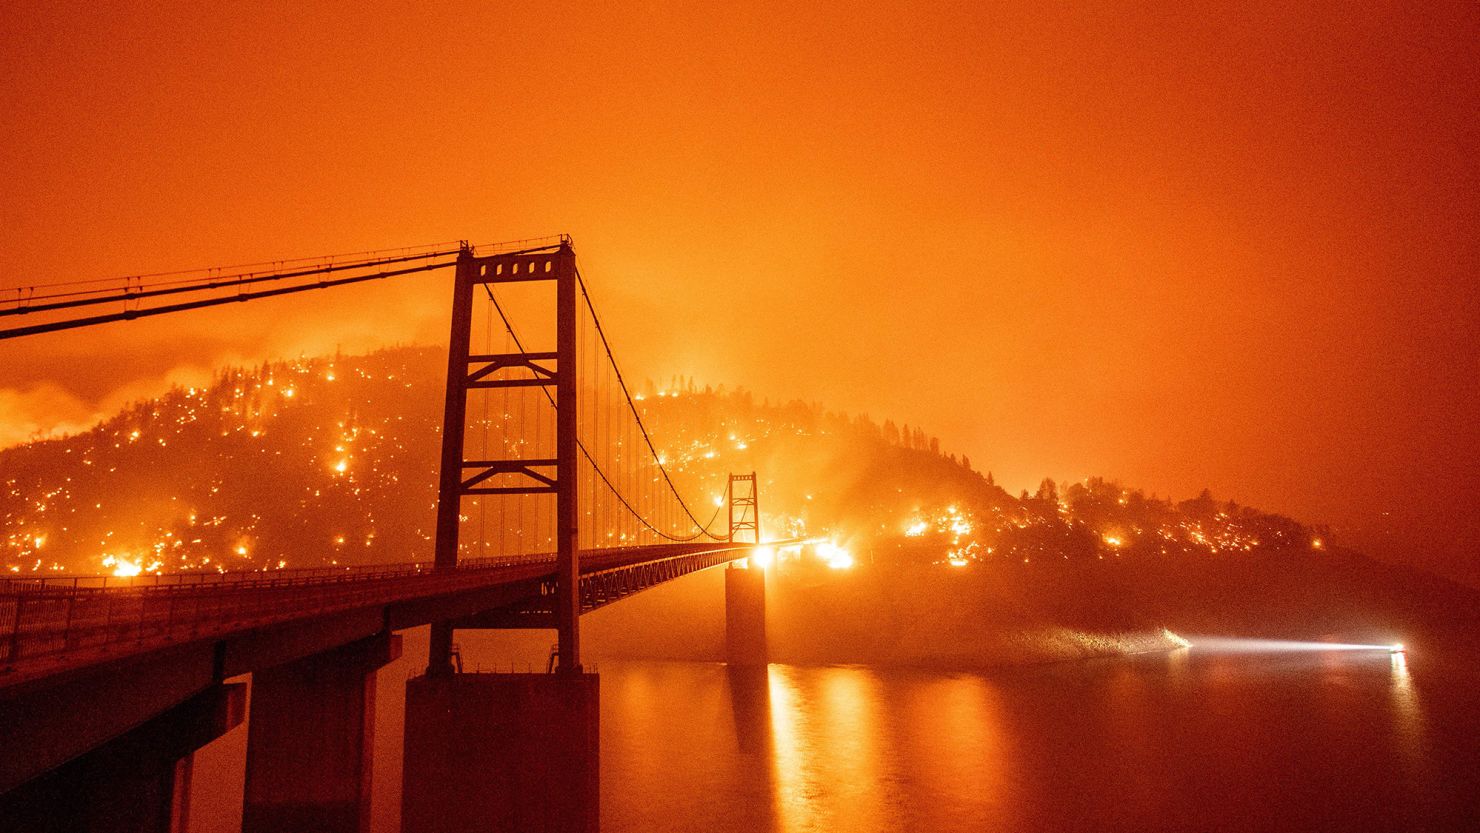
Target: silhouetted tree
(1048,491)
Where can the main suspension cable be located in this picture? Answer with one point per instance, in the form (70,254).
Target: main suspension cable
(129,315)
(632,406)
(26,305)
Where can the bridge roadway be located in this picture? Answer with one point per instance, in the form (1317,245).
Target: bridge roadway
(83,660)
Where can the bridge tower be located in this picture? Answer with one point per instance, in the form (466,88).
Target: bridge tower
(744,513)
(508,752)
(461,477)
(745,587)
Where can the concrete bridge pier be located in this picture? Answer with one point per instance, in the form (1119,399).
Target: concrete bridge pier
(310,740)
(745,616)
(501,752)
(136,783)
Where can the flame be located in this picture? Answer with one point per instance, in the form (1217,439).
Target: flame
(122,567)
(836,557)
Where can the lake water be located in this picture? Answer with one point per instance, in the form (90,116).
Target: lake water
(1190,740)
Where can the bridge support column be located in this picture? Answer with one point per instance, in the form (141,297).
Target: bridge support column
(309,741)
(501,752)
(139,782)
(745,616)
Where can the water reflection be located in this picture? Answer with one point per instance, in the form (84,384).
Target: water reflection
(1170,739)
(1183,740)
(793,795)
(852,750)
(750,705)
(826,762)
(1408,716)
(966,772)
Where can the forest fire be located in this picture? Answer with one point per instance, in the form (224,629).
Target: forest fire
(381,495)
(399,537)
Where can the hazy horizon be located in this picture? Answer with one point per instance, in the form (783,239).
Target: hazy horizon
(1230,247)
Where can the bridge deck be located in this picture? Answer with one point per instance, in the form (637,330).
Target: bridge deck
(84,660)
(54,624)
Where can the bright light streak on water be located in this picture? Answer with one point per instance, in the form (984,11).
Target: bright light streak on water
(1186,740)
(1233,645)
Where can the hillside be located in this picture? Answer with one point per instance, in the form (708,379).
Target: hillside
(332,461)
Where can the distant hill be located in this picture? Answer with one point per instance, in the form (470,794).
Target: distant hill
(332,460)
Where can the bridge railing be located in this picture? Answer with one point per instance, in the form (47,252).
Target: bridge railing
(61,617)
(244,578)
(57,616)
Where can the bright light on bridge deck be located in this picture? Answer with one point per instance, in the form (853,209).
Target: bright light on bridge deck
(762,557)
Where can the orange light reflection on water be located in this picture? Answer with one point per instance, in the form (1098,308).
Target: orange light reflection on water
(841,761)
(830,773)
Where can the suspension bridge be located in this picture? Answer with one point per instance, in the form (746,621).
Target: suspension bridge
(553,500)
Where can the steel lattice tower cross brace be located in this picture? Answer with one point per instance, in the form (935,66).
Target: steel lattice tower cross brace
(461,477)
(744,514)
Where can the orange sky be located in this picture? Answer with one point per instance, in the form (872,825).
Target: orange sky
(1233,246)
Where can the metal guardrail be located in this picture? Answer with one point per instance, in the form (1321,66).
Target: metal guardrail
(60,617)
(54,616)
(255,578)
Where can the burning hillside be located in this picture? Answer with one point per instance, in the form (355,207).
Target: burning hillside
(332,460)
